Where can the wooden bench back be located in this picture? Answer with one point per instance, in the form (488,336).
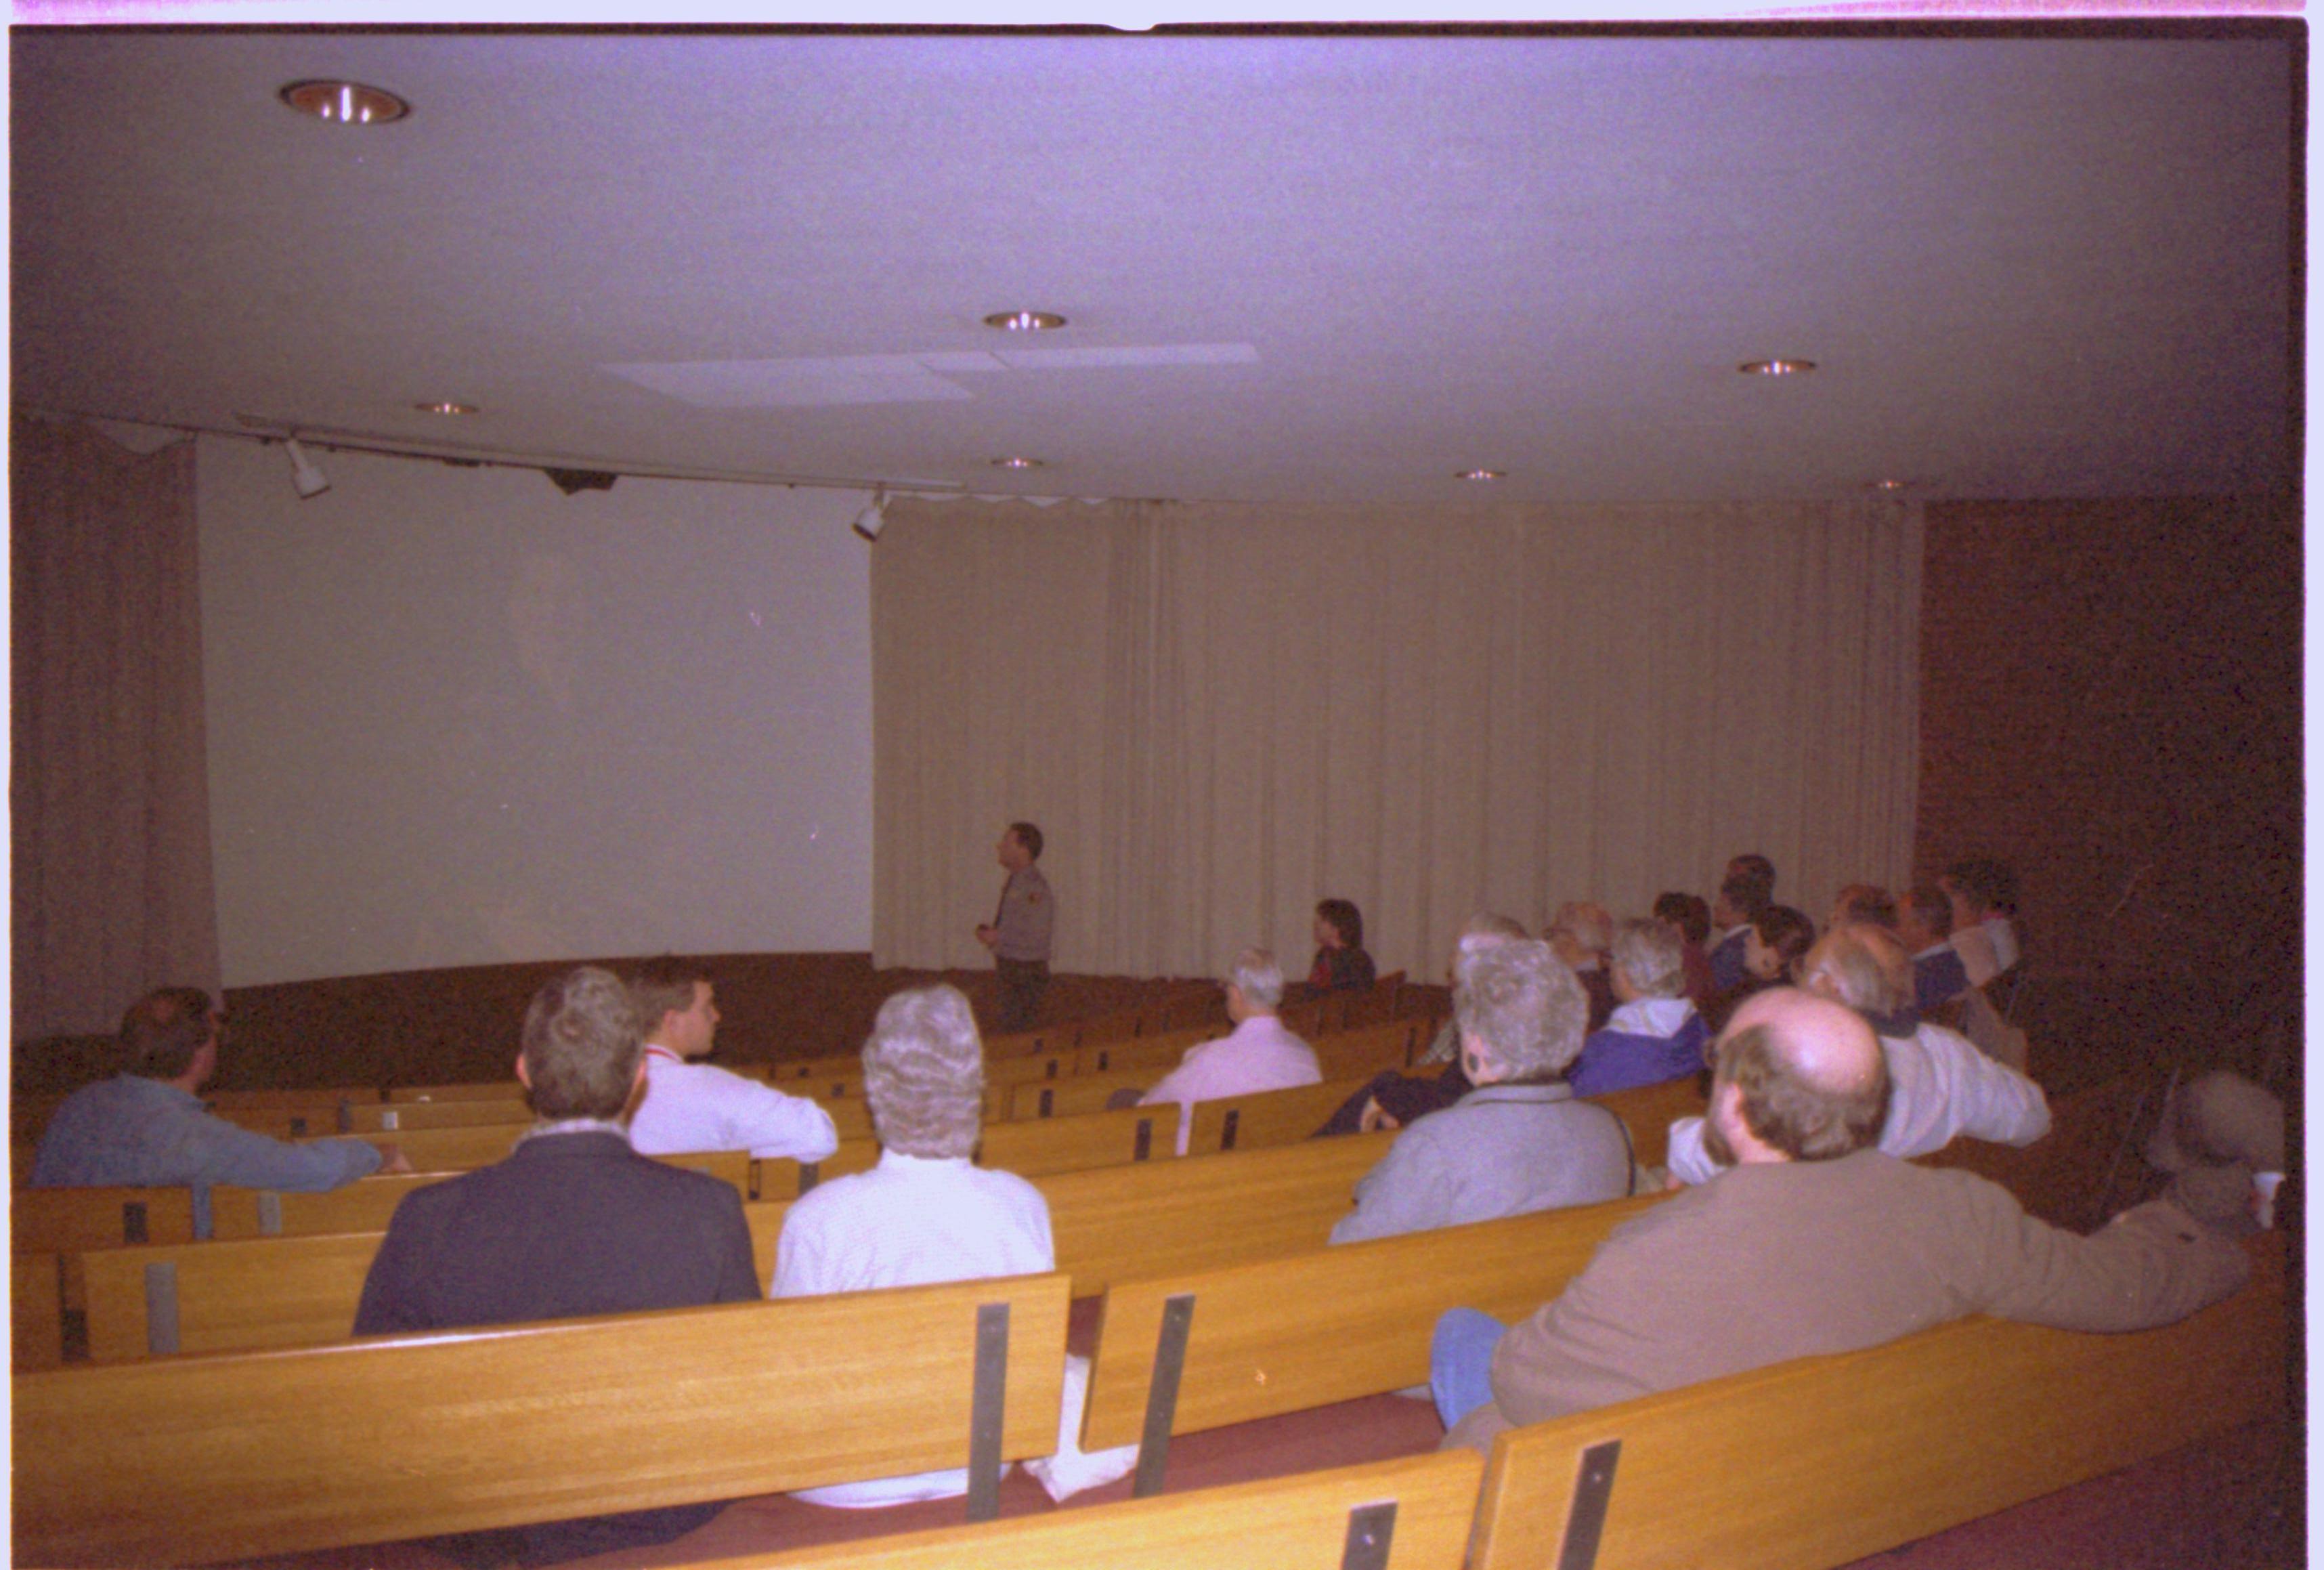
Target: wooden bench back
(1109,1223)
(1291,1333)
(181,1460)
(36,1321)
(1649,1110)
(1074,1094)
(1301,1520)
(1162,1218)
(454,1149)
(1156,1053)
(398,1117)
(477,1090)
(1099,1139)
(1267,1117)
(67,1221)
(1828,1460)
(1361,1052)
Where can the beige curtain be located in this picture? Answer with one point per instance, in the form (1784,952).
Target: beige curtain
(108,791)
(1219,715)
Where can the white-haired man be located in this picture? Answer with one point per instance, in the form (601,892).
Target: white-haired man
(1943,1087)
(1654,1034)
(1811,1241)
(1518,1142)
(1259,1054)
(923,1214)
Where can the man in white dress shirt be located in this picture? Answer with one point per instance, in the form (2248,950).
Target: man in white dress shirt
(1259,1055)
(688,1105)
(923,1214)
(1941,1087)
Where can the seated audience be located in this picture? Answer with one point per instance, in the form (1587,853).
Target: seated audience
(146,1126)
(1772,944)
(1340,962)
(1392,1099)
(1811,1242)
(1983,896)
(1581,933)
(1259,1055)
(1743,894)
(1863,902)
(1690,918)
(1518,1142)
(1941,1087)
(574,1221)
(1924,925)
(1656,1034)
(2217,1134)
(923,1214)
(691,1106)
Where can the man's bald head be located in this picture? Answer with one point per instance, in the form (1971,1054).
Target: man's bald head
(1810,1080)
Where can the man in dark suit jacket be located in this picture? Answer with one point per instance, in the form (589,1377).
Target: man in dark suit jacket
(573,1223)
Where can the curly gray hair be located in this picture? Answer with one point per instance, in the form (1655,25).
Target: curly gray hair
(1514,1000)
(1649,954)
(924,1073)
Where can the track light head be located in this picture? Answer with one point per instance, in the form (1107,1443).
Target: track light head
(571,481)
(872,519)
(308,480)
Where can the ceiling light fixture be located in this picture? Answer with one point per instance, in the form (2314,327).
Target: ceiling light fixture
(1025,322)
(446,406)
(344,102)
(872,519)
(1483,474)
(1776,367)
(1891,484)
(573,482)
(1017,463)
(306,479)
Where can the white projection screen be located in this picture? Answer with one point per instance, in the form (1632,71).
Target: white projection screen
(458,718)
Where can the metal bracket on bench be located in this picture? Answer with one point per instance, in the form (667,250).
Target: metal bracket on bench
(1052,1072)
(346,1117)
(1049,1100)
(270,1214)
(1593,1485)
(133,1222)
(1145,1147)
(1371,1530)
(810,1174)
(1162,1393)
(161,1308)
(985,1410)
(1227,1134)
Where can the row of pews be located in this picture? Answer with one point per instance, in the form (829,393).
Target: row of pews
(269,1432)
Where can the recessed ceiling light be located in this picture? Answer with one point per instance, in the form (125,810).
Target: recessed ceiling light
(1025,322)
(345,102)
(1483,474)
(1016,463)
(1776,367)
(1891,484)
(445,406)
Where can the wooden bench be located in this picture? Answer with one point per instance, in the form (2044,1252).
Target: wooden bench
(1182,1352)
(458,1150)
(398,1117)
(1156,1053)
(187,1459)
(1826,1460)
(483,1090)
(1412,1514)
(1108,1224)
(36,1324)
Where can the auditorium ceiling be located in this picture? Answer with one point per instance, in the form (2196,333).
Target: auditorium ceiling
(1343,268)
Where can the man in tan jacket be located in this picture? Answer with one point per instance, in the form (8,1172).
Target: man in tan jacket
(1814,1243)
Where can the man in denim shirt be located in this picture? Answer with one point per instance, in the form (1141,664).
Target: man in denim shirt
(146,1127)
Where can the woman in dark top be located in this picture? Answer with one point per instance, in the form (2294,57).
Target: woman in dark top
(1340,957)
